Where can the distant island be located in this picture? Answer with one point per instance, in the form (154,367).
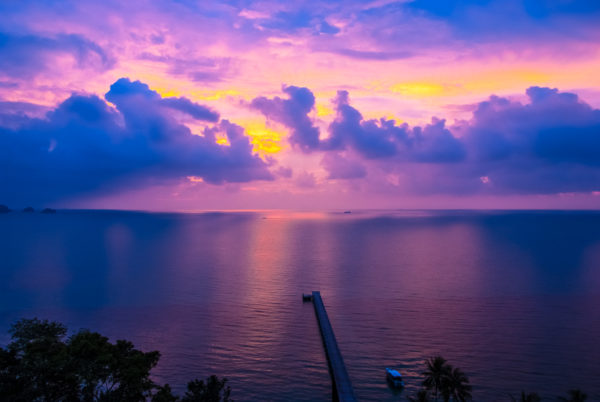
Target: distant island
(4,209)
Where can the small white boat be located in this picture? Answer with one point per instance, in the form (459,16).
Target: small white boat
(394,377)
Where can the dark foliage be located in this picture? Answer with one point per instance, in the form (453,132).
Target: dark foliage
(43,364)
(422,396)
(527,397)
(214,390)
(444,381)
(575,395)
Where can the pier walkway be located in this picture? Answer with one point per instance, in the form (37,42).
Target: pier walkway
(342,386)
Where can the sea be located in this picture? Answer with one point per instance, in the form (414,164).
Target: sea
(510,297)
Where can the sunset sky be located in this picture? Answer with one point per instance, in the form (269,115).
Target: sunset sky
(195,105)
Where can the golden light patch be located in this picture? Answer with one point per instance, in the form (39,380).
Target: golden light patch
(165,86)
(195,179)
(265,145)
(392,117)
(166,93)
(222,141)
(505,79)
(264,139)
(214,95)
(419,89)
(323,110)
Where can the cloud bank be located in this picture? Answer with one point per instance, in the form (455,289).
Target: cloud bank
(135,138)
(549,145)
(85,146)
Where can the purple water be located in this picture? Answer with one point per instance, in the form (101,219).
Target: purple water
(510,297)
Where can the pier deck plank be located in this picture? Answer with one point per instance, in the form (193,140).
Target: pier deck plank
(339,375)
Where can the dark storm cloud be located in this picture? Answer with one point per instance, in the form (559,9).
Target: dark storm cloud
(24,56)
(85,146)
(292,113)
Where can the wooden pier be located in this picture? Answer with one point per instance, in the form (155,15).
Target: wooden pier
(342,386)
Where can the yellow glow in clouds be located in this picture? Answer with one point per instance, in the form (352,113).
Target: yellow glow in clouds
(264,139)
(418,89)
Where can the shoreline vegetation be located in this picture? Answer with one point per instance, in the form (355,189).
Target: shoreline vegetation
(42,363)
(4,210)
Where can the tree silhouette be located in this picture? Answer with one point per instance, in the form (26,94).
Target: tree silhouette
(455,385)
(442,380)
(529,397)
(214,390)
(43,364)
(437,369)
(422,396)
(575,395)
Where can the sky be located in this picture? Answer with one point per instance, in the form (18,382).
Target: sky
(206,105)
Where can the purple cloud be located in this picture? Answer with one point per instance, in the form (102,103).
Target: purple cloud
(24,56)
(375,139)
(15,114)
(196,68)
(195,110)
(84,146)
(554,126)
(551,144)
(292,113)
(435,144)
(370,138)
(145,109)
(306,180)
(373,55)
(285,172)
(340,167)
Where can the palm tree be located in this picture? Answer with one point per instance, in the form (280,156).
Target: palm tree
(456,385)
(575,395)
(530,397)
(437,370)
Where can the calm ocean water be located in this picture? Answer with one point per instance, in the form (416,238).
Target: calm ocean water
(513,298)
